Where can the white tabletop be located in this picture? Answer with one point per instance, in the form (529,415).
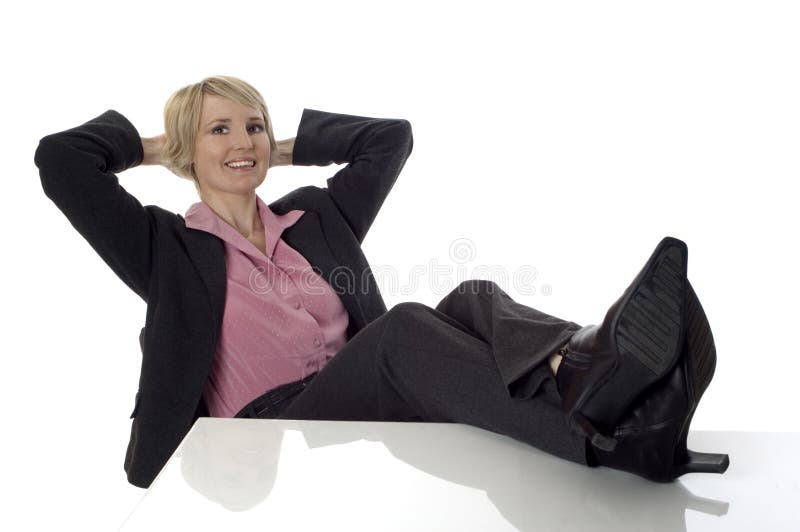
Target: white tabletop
(234,474)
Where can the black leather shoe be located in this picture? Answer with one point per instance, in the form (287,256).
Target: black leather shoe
(652,435)
(606,366)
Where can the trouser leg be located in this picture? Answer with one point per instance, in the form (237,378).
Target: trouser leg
(418,364)
(521,338)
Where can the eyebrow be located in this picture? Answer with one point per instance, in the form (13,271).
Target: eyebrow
(251,119)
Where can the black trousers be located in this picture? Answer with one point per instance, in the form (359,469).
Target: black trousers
(478,358)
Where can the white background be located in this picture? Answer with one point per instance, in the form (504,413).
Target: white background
(568,137)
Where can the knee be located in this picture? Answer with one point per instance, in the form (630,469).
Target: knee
(407,313)
(478,286)
(473,287)
(401,325)
(404,320)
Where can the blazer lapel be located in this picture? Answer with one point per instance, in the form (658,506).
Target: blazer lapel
(208,257)
(307,237)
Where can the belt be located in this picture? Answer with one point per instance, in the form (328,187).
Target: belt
(271,404)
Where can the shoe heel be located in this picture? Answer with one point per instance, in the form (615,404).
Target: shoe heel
(702,463)
(580,424)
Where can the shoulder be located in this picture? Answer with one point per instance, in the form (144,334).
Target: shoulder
(163,219)
(308,198)
(171,226)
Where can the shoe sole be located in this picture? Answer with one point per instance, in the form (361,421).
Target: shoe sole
(649,331)
(700,346)
(702,354)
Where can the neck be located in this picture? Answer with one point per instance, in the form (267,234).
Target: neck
(239,211)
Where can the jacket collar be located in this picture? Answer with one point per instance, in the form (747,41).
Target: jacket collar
(306,236)
(201,216)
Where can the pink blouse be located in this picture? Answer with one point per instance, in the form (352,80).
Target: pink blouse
(282,321)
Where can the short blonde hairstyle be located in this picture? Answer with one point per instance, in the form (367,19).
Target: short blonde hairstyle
(182,118)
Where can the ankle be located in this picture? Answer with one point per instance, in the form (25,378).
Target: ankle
(555,359)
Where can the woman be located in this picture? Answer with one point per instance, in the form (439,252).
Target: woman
(258,310)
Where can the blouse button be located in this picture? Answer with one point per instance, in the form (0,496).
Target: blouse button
(297,305)
(317,343)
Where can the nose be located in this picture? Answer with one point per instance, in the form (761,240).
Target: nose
(241,139)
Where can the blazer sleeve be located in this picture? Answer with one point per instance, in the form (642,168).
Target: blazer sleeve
(375,150)
(77,169)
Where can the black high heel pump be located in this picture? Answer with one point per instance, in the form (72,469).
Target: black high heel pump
(605,367)
(652,436)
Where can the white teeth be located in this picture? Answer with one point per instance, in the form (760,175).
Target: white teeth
(240,164)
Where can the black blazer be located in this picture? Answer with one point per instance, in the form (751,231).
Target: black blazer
(180,272)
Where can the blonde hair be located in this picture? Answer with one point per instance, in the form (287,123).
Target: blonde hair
(182,118)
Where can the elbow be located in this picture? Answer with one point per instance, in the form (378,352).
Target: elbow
(405,135)
(49,152)
(43,151)
(49,158)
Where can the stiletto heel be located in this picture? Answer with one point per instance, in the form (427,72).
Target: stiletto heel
(700,366)
(702,463)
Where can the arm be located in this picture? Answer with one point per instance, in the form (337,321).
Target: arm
(375,149)
(77,168)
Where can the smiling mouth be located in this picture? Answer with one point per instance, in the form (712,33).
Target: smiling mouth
(240,164)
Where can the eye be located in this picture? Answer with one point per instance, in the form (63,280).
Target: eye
(255,128)
(218,130)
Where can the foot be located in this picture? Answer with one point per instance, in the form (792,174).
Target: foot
(607,366)
(652,434)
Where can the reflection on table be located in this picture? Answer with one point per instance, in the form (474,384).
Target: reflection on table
(320,475)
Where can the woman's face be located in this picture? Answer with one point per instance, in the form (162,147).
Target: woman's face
(232,150)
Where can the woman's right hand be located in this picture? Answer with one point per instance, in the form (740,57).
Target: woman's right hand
(153,148)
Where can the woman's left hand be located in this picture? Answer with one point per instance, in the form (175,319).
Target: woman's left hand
(283,155)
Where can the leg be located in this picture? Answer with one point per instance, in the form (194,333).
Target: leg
(418,364)
(521,338)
